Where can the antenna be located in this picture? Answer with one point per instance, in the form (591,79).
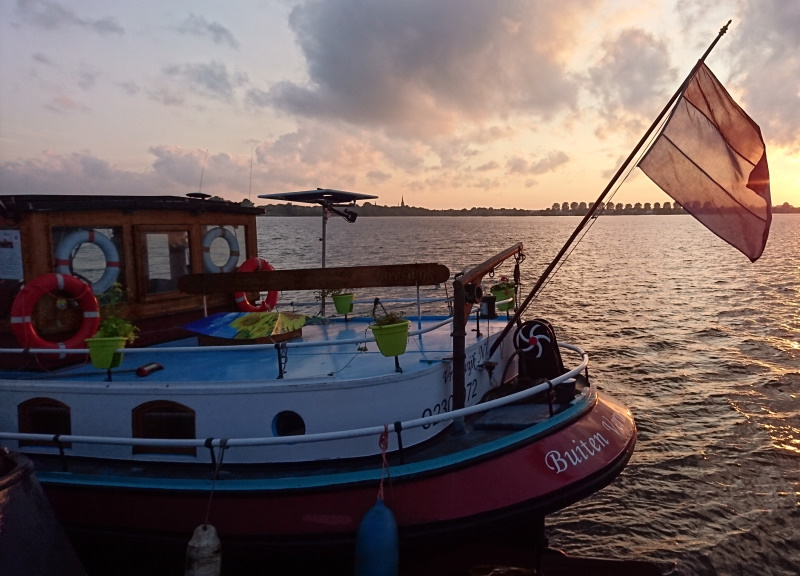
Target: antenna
(250,190)
(202,171)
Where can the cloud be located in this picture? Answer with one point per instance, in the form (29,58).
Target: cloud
(77,173)
(630,79)
(64,103)
(376,177)
(765,47)
(174,171)
(87,78)
(40,58)
(256,98)
(130,88)
(166,96)
(316,153)
(198,26)
(519,165)
(313,154)
(211,80)
(422,68)
(179,165)
(52,16)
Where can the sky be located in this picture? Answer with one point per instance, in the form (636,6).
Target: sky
(445,104)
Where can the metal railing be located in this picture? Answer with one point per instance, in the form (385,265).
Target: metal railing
(309,438)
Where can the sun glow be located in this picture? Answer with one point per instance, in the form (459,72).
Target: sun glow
(784,172)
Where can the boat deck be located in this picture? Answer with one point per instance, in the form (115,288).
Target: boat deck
(333,350)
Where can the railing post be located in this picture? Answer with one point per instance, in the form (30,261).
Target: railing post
(459,345)
(470,279)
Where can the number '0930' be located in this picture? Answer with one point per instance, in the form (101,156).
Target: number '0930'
(439,408)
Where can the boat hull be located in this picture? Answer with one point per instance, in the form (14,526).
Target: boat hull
(523,477)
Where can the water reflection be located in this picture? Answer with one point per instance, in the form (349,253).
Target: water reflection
(699,342)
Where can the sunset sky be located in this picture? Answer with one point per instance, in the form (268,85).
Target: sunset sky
(446,103)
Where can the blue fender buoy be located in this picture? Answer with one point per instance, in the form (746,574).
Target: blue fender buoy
(377,543)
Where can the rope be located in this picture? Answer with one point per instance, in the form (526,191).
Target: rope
(375,305)
(613,191)
(223,443)
(383,444)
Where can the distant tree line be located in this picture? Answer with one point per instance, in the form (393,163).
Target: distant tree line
(557,209)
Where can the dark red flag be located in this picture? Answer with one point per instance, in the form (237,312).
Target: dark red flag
(711,159)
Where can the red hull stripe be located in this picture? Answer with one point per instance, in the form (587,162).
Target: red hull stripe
(540,470)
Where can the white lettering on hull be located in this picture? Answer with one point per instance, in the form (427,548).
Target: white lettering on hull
(582,451)
(617,424)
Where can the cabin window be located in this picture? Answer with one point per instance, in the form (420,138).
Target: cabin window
(163,419)
(167,254)
(44,416)
(288,423)
(92,254)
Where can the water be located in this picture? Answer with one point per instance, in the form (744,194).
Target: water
(702,345)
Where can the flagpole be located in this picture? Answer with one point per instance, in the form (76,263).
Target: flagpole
(523,306)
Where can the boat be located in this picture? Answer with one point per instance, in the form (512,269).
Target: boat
(283,428)
(291,430)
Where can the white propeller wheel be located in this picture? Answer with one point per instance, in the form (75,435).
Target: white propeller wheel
(529,339)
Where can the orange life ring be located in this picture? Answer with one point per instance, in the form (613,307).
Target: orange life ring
(25,302)
(269,301)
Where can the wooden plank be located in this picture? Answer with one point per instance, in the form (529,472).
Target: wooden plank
(316,278)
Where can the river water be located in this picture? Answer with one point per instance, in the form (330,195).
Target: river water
(702,345)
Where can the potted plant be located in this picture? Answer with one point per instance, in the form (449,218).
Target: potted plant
(504,290)
(114,332)
(342,299)
(391,333)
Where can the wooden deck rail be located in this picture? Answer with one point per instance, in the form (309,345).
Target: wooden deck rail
(316,278)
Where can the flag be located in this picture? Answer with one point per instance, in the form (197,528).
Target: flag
(711,159)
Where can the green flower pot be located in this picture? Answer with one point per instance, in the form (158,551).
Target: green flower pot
(392,338)
(343,302)
(102,351)
(504,295)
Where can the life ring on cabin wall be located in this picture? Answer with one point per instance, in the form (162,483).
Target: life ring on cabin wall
(269,301)
(25,302)
(233,246)
(73,240)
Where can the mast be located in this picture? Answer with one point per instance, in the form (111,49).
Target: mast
(330,200)
(546,274)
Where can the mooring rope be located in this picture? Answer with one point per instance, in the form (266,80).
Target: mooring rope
(223,443)
(383,443)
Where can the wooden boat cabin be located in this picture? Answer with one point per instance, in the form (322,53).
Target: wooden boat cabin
(143,244)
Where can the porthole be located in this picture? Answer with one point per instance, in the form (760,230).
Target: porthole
(288,423)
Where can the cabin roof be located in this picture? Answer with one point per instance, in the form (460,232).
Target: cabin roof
(14,205)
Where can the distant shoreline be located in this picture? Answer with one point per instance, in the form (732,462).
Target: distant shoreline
(368,209)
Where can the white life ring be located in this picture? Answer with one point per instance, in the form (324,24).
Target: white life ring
(73,240)
(233,246)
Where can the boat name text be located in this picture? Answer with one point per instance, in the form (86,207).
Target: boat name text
(616,424)
(472,363)
(581,452)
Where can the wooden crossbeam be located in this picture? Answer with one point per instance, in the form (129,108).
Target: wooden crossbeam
(316,278)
